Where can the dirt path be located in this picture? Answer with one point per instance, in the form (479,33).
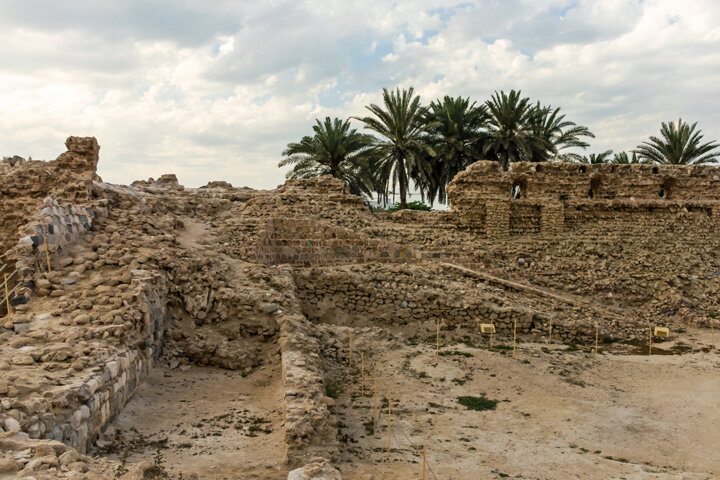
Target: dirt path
(217,423)
(560,414)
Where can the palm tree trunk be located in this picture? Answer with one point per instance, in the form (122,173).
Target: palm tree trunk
(402,174)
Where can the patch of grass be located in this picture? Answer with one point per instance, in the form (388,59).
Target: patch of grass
(477,403)
(369,428)
(462,380)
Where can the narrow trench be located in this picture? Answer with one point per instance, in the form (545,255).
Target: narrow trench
(208,421)
(205,420)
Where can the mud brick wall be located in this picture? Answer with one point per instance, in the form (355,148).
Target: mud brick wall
(24,186)
(497,218)
(634,219)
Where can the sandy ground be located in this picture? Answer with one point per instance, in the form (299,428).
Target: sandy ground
(217,423)
(561,414)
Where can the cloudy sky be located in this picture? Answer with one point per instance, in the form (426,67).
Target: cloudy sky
(215,90)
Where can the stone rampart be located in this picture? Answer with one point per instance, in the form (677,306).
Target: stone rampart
(555,198)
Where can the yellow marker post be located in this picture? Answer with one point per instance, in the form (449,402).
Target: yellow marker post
(423,464)
(362,374)
(350,356)
(47,255)
(374,401)
(596,337)
(650,344)
(389,422)
(437,339)
(712,332)
(7,301)
(514,335)
(550,333)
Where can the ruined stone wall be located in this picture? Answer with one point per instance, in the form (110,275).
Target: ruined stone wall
(305,241)
(23,186)
(556,198)
(572,181)
(75,413)
(401,297)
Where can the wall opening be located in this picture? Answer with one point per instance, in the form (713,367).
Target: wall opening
(655,170)
(591,194)
(583,169)
(516,191)
(661,194)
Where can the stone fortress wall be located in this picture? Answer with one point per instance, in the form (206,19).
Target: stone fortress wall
(24,185)
(593,200)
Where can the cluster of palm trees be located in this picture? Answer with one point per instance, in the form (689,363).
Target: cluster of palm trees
(429,145)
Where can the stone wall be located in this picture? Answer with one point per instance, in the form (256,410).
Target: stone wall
(23,185)
(399,296)
(556,198)
(305,241)
(571,181)
(76,413)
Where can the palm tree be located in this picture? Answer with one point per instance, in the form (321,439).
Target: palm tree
(557,134)
(335,149)
(455,127)
(680,145)
(624,158)
(510,129)
(403,149)
(594,159)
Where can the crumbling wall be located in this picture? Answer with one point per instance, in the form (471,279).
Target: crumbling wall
(24,185)
(306,241)
(75,413)
(396,296)
(571,181)
(557,198)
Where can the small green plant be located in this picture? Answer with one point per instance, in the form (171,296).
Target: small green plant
(463,380)
(369,428)
(333,389)
(477,403)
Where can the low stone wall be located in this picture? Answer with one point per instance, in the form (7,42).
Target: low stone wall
(76,413)
(410,297)
(395,302)
(310,427)
(307,242)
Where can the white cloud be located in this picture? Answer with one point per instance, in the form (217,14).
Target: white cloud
(220,97)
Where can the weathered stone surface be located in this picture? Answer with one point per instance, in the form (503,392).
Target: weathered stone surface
(315,471)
